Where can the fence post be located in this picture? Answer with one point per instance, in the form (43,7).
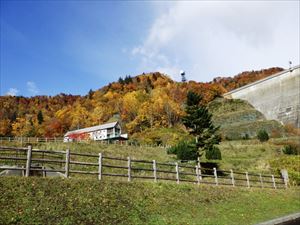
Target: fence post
(177,172)
(67,163)
(199,169)
(261,180)
(197,174)
(247,178)
(28,162)
(274,184)
(100,166)
(216,176)
(43,170)
(154,171)
(285,176)
(23,171)
(232,178)
(129,168)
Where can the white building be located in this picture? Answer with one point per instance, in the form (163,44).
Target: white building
(108,131)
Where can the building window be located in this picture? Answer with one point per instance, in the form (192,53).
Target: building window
(109,130)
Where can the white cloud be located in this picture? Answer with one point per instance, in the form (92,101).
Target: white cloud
(32,88)
(12,92)
(208,39)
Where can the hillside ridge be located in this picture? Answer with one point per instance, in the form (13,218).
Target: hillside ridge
(149,100)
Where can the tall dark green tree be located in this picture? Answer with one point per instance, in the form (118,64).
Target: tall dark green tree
(121,81)
(198,121)
(40,117)
(128,79)
(90,94)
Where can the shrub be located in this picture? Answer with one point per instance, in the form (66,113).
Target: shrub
(172,150)
(290,150)
(291,129)
(275,133)
(184,150)
(262,135)
(245,136)
(213,153)
(289,162)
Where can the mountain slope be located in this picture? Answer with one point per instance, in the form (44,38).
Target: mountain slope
(146,101)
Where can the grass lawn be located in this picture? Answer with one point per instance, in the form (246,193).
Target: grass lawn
(87,201)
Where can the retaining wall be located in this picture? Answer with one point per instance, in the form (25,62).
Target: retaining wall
(277,96)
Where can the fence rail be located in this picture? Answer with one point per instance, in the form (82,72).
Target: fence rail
(31,140)
(66,163)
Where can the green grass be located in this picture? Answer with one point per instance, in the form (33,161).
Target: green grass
(157,136)
(123,151)
(249,155)
(87,201)
(266,157)
(242,155)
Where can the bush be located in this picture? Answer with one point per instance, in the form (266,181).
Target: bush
(172,150)
(213,153)
(245,136)
(289,162)
(262,135)
(290,150)
(184,150)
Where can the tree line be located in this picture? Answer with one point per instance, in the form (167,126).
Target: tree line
(146,101)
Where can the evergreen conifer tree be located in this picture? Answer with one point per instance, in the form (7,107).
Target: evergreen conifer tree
(198,121)
(40,117)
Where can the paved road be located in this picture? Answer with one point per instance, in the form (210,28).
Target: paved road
(293,222)
(293,219)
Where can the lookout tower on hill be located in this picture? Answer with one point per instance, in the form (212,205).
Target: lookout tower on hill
(182,73)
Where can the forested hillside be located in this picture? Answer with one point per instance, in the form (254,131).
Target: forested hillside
(150,100)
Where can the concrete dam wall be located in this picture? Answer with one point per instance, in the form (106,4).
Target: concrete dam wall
(277,96)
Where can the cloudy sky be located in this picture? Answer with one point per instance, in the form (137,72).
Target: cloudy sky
(49,47)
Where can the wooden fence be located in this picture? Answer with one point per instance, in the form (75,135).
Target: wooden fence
(70,164)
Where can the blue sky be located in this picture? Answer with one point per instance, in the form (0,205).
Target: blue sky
(52,47)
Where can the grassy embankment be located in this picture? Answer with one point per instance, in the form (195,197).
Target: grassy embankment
(86,201)
(238,119)
(242,155)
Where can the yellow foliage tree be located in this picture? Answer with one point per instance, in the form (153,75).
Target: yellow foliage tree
(79,117)
(22,127)
(4,127)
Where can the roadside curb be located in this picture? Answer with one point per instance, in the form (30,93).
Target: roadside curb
(282,220)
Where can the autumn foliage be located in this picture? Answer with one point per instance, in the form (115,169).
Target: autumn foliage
(145,101)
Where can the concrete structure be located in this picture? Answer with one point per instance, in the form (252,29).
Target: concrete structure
(277,96)
(101,132)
